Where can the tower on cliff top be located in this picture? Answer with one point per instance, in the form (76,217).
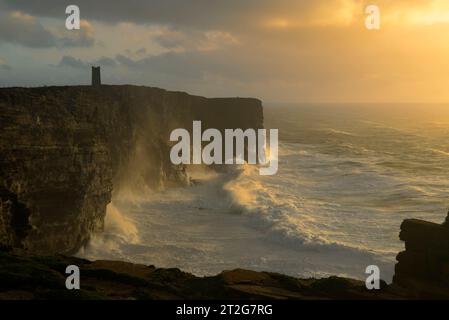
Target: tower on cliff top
(96,77)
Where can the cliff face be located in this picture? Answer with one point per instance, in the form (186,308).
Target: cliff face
(64,150)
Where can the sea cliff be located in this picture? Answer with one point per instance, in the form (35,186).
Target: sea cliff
(66,150)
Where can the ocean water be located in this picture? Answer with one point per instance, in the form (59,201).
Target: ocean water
(348,176)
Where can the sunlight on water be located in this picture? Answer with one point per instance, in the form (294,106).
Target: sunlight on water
(348,176)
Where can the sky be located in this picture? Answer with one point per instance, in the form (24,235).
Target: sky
(275,50)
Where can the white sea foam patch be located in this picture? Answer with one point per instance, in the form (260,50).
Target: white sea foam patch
(438,151)
(120,225)
(118,230)
(216,225)
(342,132)
(283,215)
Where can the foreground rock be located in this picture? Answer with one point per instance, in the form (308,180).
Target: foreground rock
(423,268)
(421,273)
(37,277)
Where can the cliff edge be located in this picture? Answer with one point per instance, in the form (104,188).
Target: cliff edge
(65,150)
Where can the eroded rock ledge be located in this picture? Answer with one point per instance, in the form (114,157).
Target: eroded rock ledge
(44,278)
(65,150)
(421,273)
(423,268)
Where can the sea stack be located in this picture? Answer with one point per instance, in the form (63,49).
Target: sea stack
(423,268)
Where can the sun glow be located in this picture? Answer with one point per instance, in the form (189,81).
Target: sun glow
(430,13)
(278,23)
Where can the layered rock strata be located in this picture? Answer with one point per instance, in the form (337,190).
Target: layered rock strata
(65,150)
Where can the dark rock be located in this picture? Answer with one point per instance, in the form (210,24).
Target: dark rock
(423,268)
(38,277)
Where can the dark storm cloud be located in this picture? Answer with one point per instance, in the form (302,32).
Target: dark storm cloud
(22,29)
(194,13)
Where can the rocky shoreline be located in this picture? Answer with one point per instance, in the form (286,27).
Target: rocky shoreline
(41,277)
(421,273)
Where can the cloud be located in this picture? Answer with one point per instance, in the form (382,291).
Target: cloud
(188,66)
(4,65)
(198,64)
(141,51)
(309,50)
(176,40)
(141,11)
(69,61)
(239,15)
(78,38)
(105,61)
(20,28)
(200,14)
(72,62)
(23,29)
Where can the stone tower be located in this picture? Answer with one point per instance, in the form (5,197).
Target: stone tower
(96,77)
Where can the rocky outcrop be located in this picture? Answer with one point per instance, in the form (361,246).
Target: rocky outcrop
(41,277)
(65,150)
(423,268)
(421,273)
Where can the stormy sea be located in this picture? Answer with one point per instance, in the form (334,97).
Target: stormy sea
(348,176)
